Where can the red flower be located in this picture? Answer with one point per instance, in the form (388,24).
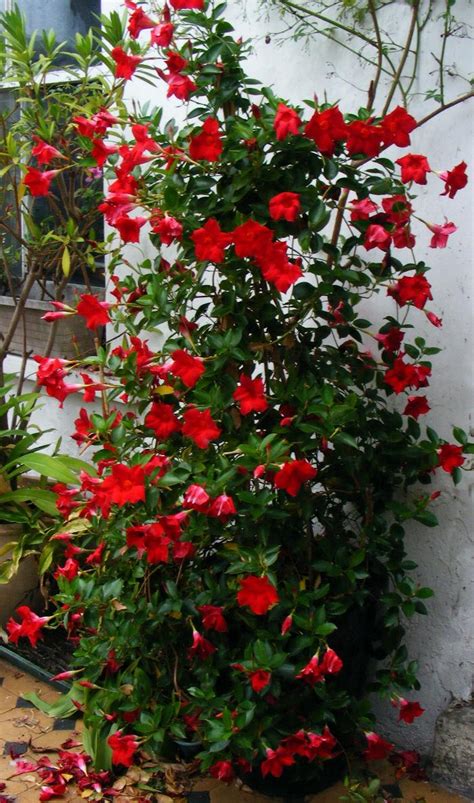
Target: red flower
(286,122)
(210,242)
(331,663)
(129,227)
(126,484)
(188,368)
(69,571)
(259,679)
(285,205)
(201,648)
(156,544)
(415,290)
(95,557)
(377,748)
(433,319)
(391,340)
(207,144)
(45,153)
(250,395)
(196,498)
(101,152)
(200,426)
(325,128)
(361,210)
(51,376)
(29,627)
(181,5)
(416,406)
(415,168)
(166,227)
(162,420)
(321,745)
(363,137)
(95,312)
(179,86)
(212,618)
(398,209)
(397,127)
(124,747)
(293,474)
(277,269)
(276,761)
(162,34)
(251,239)
(257,593)
(409,711)
(450,457)
(454,179)
(222,771)
(401,375)
(313,672)
(441,234)
(125,65)
(222,507)
(175,62)
(286,625)
(138,22)
(376,237)
(39,182)
(403,238)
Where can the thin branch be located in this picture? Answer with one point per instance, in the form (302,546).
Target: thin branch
(329,21)
(405,54)
(443,108)
(374,84)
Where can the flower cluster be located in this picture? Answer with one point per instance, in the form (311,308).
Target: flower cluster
(240,517)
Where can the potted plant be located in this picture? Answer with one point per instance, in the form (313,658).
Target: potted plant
(239,557)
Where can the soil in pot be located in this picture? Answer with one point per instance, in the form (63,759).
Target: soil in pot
(53,652)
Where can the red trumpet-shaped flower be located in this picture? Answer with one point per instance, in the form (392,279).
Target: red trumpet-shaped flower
(257,593)
(39,182)
(124,746)
(286,122)
(200,427)
(250,395)
(125,65)
(293,474)
(30,626)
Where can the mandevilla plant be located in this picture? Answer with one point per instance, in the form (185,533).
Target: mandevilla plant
(237,557)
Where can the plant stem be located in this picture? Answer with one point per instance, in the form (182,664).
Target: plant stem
(406,51)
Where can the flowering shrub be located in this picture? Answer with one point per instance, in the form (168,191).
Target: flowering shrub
(236,554)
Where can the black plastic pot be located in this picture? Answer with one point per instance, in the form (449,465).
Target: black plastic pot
(187,750)
(294,783)
(352,641)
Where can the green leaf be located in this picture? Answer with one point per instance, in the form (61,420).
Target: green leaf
(346,439)
(460,435)
(62,708)
(427,518)
(48,466)
(42,499)
(66,261)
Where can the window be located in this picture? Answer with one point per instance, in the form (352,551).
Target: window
(66,18)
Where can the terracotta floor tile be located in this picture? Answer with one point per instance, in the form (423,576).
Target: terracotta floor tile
(29,714)
(7,700)
(52,739)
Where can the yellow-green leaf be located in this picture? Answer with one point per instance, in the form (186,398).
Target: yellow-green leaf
(66,261)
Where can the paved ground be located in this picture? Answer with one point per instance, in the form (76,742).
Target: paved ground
(27,730)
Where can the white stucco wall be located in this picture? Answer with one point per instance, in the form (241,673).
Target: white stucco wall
(443,643)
